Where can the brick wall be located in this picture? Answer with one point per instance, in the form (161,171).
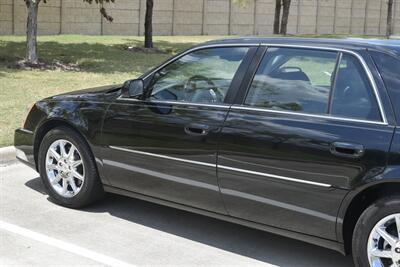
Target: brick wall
(197,17)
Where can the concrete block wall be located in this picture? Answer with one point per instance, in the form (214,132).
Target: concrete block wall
(217,17)
(295,17)
(126,15)
(397,17)
(326,17)
(188,17)
(198,17)
(6,16)
(80,17)
(373,17)
(242,19)
(264,17)
(358,14)
(342,19)
(306,17)
(163,14)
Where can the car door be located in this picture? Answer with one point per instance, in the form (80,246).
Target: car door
(309,128)
(164,143)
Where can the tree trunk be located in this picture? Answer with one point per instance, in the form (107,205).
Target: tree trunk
(389,26)
(31,31)
(285,16)
(148,25)
(277,18)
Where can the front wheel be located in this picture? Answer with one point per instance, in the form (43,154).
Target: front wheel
(376,239)
(67,169)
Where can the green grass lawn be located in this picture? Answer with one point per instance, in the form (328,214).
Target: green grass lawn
(102,60)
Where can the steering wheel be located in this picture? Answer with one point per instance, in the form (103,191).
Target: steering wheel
(193,94)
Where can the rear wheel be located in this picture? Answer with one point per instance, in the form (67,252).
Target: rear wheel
(376,239)
(68,169)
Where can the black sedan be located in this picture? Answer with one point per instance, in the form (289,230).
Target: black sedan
(294,136)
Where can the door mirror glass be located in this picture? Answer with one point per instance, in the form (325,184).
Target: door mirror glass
(133,88)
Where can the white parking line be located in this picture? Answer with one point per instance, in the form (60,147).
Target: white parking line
(100,258)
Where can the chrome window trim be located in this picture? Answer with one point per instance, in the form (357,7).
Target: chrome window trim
(241,107)
(360,59)
(214,165)
(180,103)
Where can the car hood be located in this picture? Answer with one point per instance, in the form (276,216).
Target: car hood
(95,94)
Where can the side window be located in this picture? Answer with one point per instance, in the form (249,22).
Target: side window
(353,95)
(296,80)
(203,76)
(388,66)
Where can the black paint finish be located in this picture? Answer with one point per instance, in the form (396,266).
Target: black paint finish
(296,147)
(169,130)
(274,171)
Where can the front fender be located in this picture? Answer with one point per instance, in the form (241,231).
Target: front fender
(85,117)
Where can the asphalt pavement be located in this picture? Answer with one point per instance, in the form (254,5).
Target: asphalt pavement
(120,231)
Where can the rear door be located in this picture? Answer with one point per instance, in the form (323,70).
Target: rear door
(309,128)
(164,144)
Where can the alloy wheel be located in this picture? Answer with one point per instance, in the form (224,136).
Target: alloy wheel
(384,242)
(64,168)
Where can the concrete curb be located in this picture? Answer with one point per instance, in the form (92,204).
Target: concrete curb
(7,155)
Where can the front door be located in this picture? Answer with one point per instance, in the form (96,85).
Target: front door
(308,130)
(164,145)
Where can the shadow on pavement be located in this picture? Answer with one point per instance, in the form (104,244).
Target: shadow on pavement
(259,245)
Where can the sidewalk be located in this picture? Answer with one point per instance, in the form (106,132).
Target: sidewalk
(7,155)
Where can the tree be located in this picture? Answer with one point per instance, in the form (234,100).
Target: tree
(389,27)
(280,24)
(278,6)
(31,31)
(285,16)
(148,24)
(31,26)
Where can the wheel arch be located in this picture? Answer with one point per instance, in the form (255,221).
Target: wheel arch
(358,203)
(47,126)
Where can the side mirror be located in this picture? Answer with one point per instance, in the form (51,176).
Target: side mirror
(133,88)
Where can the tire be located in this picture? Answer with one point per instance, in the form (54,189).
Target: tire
(383,210)
(88,189)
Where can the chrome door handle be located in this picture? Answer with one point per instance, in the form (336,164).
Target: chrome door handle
(197,129)
(347,150)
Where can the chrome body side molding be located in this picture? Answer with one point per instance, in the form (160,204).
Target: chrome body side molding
(273,176)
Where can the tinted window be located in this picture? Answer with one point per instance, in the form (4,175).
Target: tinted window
(389,67)
(353,95)
(202,76)
(296,80)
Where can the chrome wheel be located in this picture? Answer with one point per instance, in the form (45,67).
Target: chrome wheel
(384,243)
(64,168)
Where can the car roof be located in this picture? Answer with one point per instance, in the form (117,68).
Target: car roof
(390,46)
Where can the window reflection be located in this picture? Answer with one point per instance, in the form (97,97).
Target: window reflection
(296,80)
(203,76)
(353,95)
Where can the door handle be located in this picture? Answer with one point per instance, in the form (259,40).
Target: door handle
(197,129)
(347,150)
